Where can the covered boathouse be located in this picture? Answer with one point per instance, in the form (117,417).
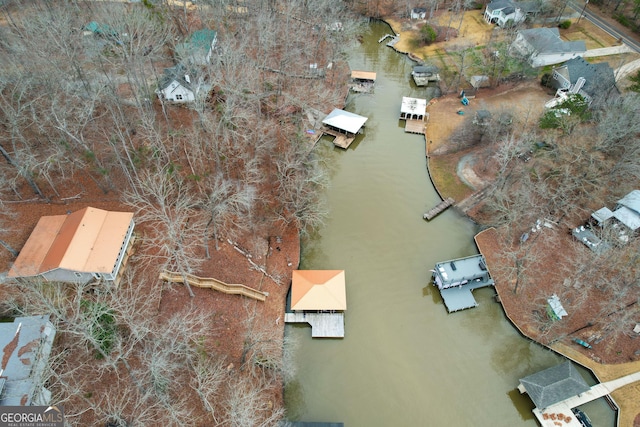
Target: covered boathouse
(319,298)
(456,279)
(344,126)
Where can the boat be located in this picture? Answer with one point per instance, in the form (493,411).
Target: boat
(582,343)
(582,417)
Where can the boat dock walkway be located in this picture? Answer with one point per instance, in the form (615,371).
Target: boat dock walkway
(438,209)
(461,297)
(340,140)
(323,325)
(415,126)
(215,284)
(564,409)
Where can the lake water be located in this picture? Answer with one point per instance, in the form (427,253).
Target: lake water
(404,361)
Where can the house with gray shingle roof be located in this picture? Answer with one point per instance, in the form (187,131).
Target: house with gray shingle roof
(584,78)
(178,85)
(553,385)
(543,46)
(506,12)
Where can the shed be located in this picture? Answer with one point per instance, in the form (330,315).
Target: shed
(26,345)
(602,215)
(318,290)
(344,121)
(554,308)
(85,245)
(479,81)
(553,385)
(413,108)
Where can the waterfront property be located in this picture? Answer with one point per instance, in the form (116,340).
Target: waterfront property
(318,297)
(558,390)
(456,279)
(343,126)
(414,112)
(362,81)
(26,345)
(423,74)
(89,244)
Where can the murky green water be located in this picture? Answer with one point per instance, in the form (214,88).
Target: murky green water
(404,361)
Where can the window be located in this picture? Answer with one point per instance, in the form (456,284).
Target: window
(178,97)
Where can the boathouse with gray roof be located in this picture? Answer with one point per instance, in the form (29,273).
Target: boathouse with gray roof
(553,385)
(456,279)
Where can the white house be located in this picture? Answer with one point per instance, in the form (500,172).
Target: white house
(504,13)
(89,244)
(543,46)
(418,13)
(178,85)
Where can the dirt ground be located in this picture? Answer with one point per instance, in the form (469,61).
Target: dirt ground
(525,99)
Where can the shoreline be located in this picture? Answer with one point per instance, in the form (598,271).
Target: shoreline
(627,403)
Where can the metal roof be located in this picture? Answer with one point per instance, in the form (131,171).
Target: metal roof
(26,344)
(554,385)
(602,214)
(344,120)
(318,290)
(631,200)
(457,271)
(363,75)
(414,105)
(88,240)
(628,217)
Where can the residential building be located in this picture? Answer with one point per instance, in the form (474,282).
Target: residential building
(543,46)
(584,78)
(89,244)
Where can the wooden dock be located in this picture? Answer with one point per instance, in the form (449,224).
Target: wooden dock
(415,126)
(340,139)
(438,209)
(323,325)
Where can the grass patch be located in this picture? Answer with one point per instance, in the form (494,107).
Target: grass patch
(446,182)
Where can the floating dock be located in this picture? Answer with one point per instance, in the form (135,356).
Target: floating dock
(438,209)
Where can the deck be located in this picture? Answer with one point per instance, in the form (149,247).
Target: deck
(415,126)
(438,209)
(323,325)
(340,140)
(548,416)
(461,298)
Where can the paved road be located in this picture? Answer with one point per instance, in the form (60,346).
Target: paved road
(595,19)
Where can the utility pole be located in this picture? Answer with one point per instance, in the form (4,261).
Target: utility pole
(582,13)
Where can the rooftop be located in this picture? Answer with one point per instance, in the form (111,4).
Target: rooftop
(414,105)
(318,290)
(460,271)
(554,385)
(88,240)
(344,120)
